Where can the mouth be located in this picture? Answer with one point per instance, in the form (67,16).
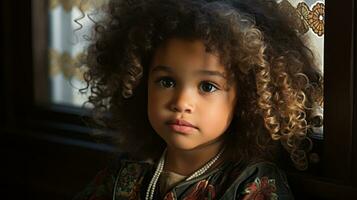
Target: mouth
(181,126)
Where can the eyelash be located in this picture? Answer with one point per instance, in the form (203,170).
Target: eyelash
(165,78)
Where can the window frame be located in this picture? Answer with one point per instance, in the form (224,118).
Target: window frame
(25,43)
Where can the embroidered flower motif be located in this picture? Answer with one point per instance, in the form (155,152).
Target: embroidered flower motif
(294,15)
(316,18)
(303,13)
(202,190)
(135,193)
(129,181)
(169,196)
(261,189)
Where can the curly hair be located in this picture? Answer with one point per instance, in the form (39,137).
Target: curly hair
(278,83)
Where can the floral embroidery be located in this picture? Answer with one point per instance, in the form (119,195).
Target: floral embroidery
(130,180)
(303,13)
(314,18)
(100,185)
(297,19)
(262,188)
(169,196)
(202,190)
(131,176)
(135,194)
(317,18)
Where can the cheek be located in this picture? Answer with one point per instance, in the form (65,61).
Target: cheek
(218,116)
(151,103)
(155,104)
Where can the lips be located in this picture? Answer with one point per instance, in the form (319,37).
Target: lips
(181,126)
(180,122)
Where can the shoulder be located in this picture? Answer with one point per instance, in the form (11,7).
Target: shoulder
(101,187)
(263,168)
(263,180)
(129,179)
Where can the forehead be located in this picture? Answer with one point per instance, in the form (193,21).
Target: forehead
(178,52)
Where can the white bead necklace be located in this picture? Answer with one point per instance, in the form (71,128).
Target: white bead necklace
(152,185)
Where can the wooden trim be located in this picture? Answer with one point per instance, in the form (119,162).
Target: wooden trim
(306,187)
(17,61)
(40,51)
(338,91)
(354,131)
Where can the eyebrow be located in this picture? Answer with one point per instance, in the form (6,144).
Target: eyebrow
(203,72)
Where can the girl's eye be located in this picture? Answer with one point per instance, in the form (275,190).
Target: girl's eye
(208,87)
(166,82)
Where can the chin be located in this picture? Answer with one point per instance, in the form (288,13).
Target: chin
(179,141)
(180,144)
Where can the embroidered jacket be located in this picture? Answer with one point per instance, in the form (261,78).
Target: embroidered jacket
(128,180)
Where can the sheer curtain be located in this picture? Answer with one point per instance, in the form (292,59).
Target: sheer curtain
(66,44)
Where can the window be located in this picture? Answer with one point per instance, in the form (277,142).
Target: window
(67,30)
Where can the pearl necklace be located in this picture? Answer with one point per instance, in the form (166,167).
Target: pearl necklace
(151,189)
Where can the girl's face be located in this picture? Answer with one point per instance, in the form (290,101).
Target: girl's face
(190,103)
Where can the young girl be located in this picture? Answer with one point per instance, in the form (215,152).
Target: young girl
(201,95)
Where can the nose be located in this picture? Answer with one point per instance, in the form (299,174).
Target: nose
(182,101)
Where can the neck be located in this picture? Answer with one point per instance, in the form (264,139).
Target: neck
(185,162)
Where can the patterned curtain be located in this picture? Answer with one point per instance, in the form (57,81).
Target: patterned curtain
(311,23)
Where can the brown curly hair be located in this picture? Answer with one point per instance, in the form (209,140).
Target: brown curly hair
(278,83)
